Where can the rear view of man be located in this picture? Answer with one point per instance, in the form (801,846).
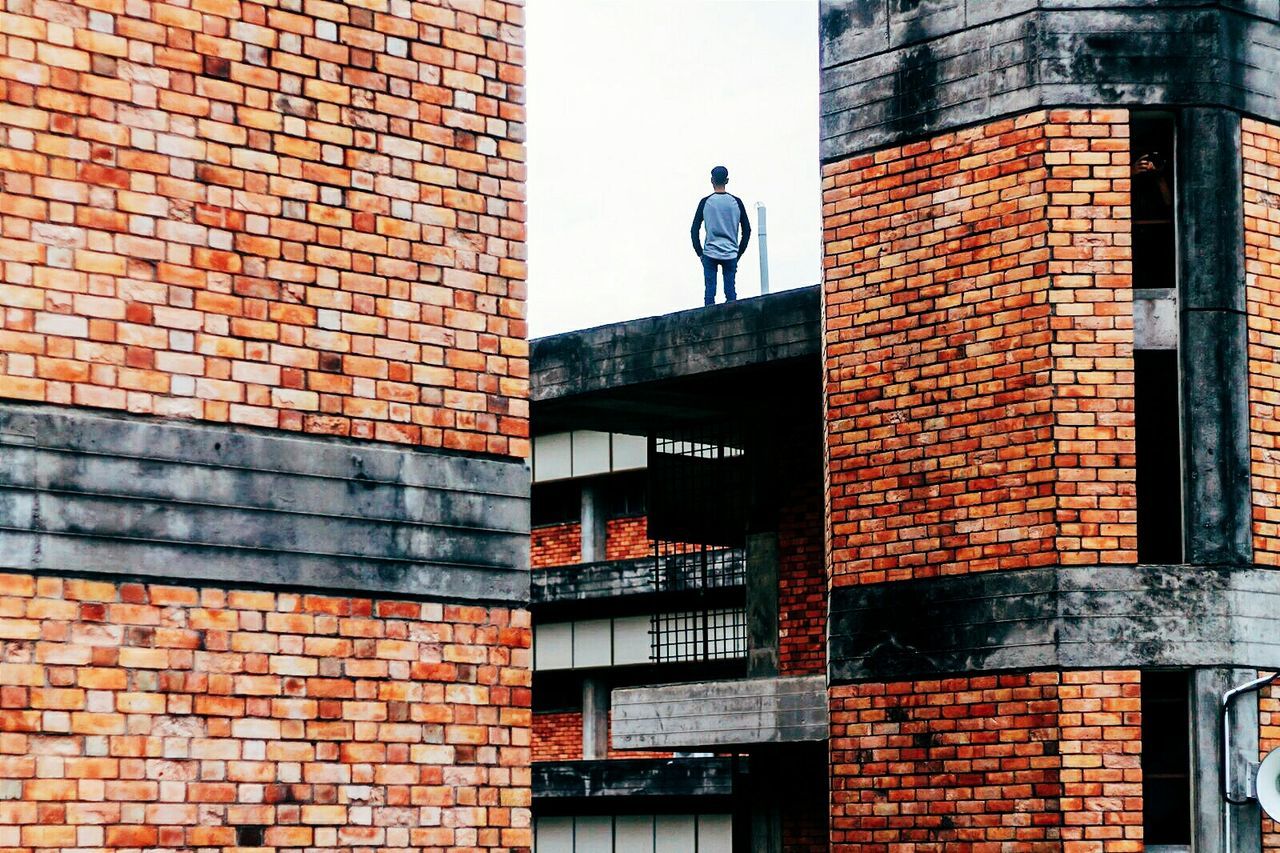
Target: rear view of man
(723,214)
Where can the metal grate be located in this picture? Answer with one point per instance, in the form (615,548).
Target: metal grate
(699,635)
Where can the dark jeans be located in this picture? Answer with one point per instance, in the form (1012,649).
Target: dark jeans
(730,268)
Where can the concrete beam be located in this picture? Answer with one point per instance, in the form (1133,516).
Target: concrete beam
(892,72)
(714,714)
(647,777)
(1098,617)
(87,492)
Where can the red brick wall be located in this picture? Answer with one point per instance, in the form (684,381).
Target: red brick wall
(802,576)
(561,544)
(1030,761)
(978,331)
(557,736)
(627,538)
(310,219)
(1261,143)
(157,716)
(555,545)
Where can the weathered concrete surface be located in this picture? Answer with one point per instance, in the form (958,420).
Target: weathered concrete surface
(893,71)
(84,491)
(615,579)
(657,777)
(740,334)
(713,714)
(1099,617)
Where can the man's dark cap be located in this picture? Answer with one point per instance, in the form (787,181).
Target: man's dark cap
(719,175)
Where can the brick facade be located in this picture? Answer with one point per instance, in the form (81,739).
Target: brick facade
(802,577)
(1261,146)
(1039,761)
(561,544)
(978,334)
(627,538)
(555,545)
(161,716)
(557,736)
(306,215)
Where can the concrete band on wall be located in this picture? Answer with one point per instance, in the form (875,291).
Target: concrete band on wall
(87,491)
(896,71)
(1095,617)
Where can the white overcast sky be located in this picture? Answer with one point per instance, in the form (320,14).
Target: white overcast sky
(631,102)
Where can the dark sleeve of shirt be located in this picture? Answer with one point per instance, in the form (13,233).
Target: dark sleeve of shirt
(694,232)
(744,222)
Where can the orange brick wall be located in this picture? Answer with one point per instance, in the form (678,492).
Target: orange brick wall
(978,333)
(307,216)
(156,716)
(557,736)
(627,538)
(555,545)
(1029,761)
(802,576)
(561,544)
(1261,144)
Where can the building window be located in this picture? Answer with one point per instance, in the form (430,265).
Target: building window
(1159,456)
(699,635)
(556,503)
(1154,232)
(1157,432)
(1166,759)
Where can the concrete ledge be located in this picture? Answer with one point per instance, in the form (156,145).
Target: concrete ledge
(892,72)
(1098,617)
(740,334)
(84,491)
(614,579)
(648,777)
(713,714)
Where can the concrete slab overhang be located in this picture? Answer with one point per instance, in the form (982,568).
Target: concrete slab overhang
(715,714)
(680,367)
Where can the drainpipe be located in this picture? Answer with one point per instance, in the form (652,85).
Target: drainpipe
(1227,795)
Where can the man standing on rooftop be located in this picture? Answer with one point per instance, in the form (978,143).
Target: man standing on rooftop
(723,214)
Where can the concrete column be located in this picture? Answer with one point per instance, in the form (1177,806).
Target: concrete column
(595,719)
(1217,502)
(762,604)
(593,525)
(1208,808)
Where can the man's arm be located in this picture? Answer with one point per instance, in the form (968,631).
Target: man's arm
(694,232)
(745,224)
